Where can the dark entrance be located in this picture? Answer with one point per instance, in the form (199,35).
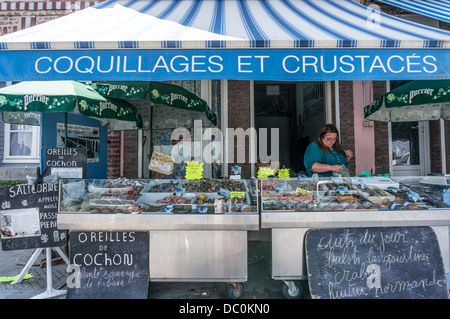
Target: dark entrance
(297,110)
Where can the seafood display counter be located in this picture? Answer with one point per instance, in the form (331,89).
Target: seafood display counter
(197,228)
(291,207)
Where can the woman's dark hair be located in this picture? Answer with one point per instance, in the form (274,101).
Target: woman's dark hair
(328,128)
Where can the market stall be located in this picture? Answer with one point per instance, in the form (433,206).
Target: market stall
(197,228)
(292,207)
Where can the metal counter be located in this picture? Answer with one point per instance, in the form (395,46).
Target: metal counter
(183,247)
(288,231)
(158,221)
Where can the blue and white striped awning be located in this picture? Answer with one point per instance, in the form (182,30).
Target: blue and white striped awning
(436,9)
(280,40)
(200,24)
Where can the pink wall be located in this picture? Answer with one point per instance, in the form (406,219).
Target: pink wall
(364,135)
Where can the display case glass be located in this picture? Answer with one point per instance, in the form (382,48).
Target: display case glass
(354,193)
(170,196)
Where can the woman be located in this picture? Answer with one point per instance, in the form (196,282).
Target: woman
(326,155)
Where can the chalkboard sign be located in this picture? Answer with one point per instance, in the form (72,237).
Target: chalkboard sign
(110,265)
(67,162)
(28,215)
(371,263)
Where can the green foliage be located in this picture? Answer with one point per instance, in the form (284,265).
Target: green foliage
(11,183)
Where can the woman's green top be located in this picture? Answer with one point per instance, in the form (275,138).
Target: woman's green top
(314,154)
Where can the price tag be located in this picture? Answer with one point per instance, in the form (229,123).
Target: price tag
(264,172)
(301,191)
(234,194)
(194,170)
(284,173)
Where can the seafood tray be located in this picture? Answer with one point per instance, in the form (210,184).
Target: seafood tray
(289,197)
(207,199)
(165,198)
(111,189)
(377,195)
(213,185)
(160,186)
(302,187)
(303,184)
(275,185)
(332,188)
(211,199)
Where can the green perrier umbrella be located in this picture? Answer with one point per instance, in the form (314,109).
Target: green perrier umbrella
(23,102)
(420,100)
(172,105)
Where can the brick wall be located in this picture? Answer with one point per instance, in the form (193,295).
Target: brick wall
(239,117)
(130,153)
(130,160)
(113,157)
(18,15)
(435,147)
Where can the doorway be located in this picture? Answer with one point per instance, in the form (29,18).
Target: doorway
(297,111)
(410,145)
(410,148)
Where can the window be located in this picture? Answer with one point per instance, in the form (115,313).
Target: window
(21,143)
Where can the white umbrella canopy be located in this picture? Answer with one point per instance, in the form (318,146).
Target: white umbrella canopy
(113,24)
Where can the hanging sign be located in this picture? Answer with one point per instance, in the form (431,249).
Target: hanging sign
(375,263)
(67,162)
(28,215)
(112,265)
(161,163)
(194,170)
(310,64)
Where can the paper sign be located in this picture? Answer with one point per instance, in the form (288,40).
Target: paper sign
(194,170)
(283,173)
(234,194)
(264,172)
(301,191)
(161,163)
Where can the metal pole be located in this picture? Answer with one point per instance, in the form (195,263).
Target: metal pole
(65,129)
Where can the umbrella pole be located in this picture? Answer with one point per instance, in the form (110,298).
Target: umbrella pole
(150,173)
(65,129)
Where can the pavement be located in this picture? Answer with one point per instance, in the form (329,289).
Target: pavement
(259,284)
